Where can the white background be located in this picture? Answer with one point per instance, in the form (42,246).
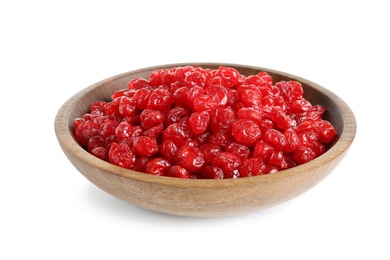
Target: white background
(49,50)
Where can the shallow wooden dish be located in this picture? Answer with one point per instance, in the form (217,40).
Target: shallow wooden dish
(203,198)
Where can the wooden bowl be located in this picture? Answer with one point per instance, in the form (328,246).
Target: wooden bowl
(200,197)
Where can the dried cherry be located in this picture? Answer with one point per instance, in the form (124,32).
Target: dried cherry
(193,122)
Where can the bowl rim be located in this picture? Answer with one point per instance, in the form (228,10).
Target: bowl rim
(68,142)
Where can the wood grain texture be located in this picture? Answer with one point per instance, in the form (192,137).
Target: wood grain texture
(204,198)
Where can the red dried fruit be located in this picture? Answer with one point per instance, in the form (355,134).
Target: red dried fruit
(190,158)
(138,83)
(300,106)
(203,138)
(304,154)
(251,113)
(326,131)
(180,97)
(251,98)
(253,80)
(118,93)
(122,155)
(228,162)
(86,130)
(97,106)
(178,172)
(77,121)
(318,148)
(199,122)
(252,167)
(276,138)
(267,103)
(266,124)
(175,86)
(126,106)
(175,115)
(94,142)
(222,119)
(100,152)
(145,146)
(292,139)
(307,138)
(192,94)
(111,108)
(262,150)
(195,79)
(140,164)
(167,79)
(107,128)
(109,141)
(277,158)
(181,72)
(157,166)
(290,90)
(160,99)
(156,77)
(141,98)
(205,102)
(222,139)
(233,97)
(281,119)
(155,131)
(125,131)
(209,151)
(191,122)
(151,117)
(97,117)
(211,172)
(246,131)
(168,150)
(177,133)
(240,150)
(190,142)
(220,93)
(228,77)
